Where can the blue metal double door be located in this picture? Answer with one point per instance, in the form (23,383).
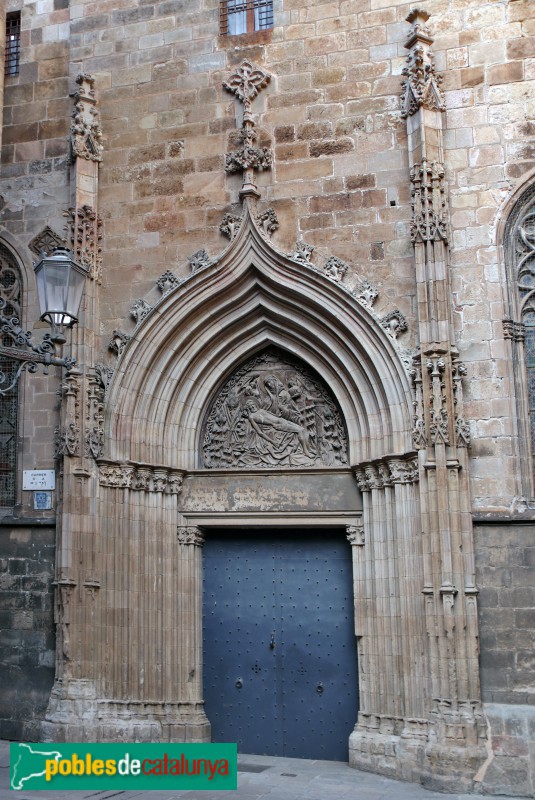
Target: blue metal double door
(280,660)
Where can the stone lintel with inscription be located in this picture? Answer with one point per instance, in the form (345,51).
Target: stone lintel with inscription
(292,492)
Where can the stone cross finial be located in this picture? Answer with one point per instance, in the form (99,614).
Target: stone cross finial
(246,83)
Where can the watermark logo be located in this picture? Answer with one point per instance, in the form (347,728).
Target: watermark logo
(123,766)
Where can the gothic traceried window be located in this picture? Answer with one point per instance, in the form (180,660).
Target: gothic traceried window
(11,292)
(520,253)
(245,16)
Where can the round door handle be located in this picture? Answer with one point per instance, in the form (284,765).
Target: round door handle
(239,683)
(319,688)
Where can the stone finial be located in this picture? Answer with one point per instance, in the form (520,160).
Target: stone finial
(86,133)
(246,83)
(422,87)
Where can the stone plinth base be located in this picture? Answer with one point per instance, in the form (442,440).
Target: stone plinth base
(75,714)
(409,749)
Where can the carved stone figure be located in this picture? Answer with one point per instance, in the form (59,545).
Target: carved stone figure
(273,412)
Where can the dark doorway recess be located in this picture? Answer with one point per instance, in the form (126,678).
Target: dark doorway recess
(280,659)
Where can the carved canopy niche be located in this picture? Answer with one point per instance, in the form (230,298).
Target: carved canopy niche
(273,412)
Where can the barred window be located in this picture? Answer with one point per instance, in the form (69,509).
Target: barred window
(12,58)
(11,292)
(245,16)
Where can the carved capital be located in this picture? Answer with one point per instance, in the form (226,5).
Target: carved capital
(190,535)
(139,477)
(355,534)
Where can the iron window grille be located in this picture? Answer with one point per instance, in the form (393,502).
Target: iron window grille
(245,16)
(12,58)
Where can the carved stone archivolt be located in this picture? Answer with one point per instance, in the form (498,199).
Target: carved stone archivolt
(273,412)
(139,477)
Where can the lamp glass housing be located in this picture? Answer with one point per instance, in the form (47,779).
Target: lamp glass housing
(60,285)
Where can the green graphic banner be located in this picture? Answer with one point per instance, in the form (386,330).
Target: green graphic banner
(123,766)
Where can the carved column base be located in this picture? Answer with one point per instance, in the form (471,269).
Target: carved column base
(75,714)
(415,750)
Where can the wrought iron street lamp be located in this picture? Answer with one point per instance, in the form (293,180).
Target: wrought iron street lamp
(60,285)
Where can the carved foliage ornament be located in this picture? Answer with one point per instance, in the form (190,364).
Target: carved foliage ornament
(190,535)
(140,477)
(273,412)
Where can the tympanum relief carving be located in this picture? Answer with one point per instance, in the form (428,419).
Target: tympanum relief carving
(273,412)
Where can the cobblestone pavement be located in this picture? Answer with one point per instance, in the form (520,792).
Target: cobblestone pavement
(261,777)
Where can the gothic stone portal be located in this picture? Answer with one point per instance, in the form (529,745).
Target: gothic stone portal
(274,412)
